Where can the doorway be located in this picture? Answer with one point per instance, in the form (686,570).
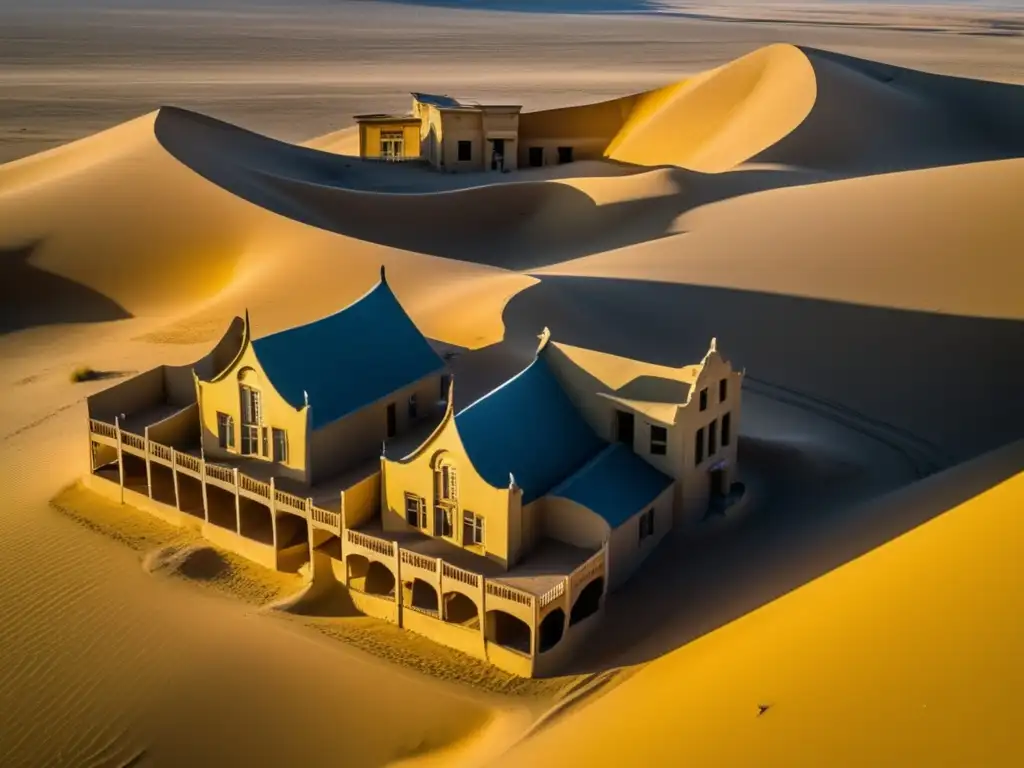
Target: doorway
(624,423)
(718,487)
(497,154)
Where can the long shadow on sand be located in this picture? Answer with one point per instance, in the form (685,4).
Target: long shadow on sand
(31,297)
(932,389)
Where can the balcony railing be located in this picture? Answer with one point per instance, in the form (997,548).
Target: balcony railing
(507,592)
(372,543)
(134,441)
(418,561)
(450,571)
(289,500)
(224,474)
(102,428)
(160,451)
(325,517)
(552,594)
(188,462)
(257,487)
(588,570)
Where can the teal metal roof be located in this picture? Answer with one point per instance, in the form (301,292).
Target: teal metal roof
(616,484)
(350,359)
(529,429)
(436,100)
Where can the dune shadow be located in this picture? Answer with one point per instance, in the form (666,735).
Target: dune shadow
(32,297)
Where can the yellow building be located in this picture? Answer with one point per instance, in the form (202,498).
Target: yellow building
(497,529)
(448,134)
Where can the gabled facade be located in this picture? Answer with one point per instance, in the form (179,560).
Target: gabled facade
(318,398)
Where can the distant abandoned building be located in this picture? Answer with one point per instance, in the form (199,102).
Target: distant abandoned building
(455,136)
(497,529)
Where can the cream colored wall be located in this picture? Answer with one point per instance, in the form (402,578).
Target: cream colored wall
(475,494)
(462,126)
(574,524)
(695,485)
(625,552)
(222,395)
(359,437)
(503,123)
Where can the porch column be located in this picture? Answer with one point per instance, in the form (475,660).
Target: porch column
(120,457)
(149,469)
(202,481)
(174,475)
(273,511)
(483,614)
(238,503)
(395,553)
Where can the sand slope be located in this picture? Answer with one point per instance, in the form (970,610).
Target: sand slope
(910,650)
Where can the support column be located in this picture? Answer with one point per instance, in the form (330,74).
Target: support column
(174,476)
(442,613)
(120,457)
(483,615)
(398,581)
(309,536)
(568,603)
(149,469)
(273,514)
(238,503)
(202,480)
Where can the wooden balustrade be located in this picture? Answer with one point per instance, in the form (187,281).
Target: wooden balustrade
(254,486)
(417,560)
(224,474)
(372,543)
(188,462)
(509,593)
(552,594)
(589,570)
(326,517)
(103,428)
(290,500)
(138,442)
(458,574)
(160,451)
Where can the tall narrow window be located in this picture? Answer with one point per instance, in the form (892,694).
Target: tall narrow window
(659,440)
(412,510)
(445,383)
(266,442)
(698,447)
(723,390)
(712,437)
(472,528)
(646,525)
(412,406)
(225,431)
(704,399)
(280,445)
(726,426)
(251,409)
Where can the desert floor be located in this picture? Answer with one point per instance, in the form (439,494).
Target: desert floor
(850,232)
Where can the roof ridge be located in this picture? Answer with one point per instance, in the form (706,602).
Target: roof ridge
(335,313)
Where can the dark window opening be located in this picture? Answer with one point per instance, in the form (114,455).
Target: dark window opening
(412,510)
(536,155)
(698,447)
(266,442)
(723,390)
(646,524)
(659,440)
(445,383)
(412,406)
(704,399)
(564,155)
(465,151)
(726,424)
(712,437)
(392,425)
(443,522)
(624,427)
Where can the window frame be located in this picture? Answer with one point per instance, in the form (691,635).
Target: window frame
(646,525)
(658,445)
(420,517)
(698,444)
(474,524)
(713,437)
(412,407)
(225,431)
(726,429)
(703,399)
(723,390)
(279,436)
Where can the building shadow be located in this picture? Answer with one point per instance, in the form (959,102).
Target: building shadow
(32,297)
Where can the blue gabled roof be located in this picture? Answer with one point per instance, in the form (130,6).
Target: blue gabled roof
(436,100)
(616,484)
(527,427)
(350,359)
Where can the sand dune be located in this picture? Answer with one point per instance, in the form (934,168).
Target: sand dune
(849,230)
(914,643)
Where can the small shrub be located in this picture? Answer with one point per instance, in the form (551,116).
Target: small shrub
(84,373)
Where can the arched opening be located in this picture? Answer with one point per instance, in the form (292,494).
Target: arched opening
(508,631)
(424,596)
(460,609)
(369,576)
(292,542)
(588,602)
(221,506)
(551,630)
(256,521)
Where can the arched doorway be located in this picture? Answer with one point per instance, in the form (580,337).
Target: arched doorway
(460,609)
(588,602)
(423,596)
(551,630)
(371,577)
(508,631)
